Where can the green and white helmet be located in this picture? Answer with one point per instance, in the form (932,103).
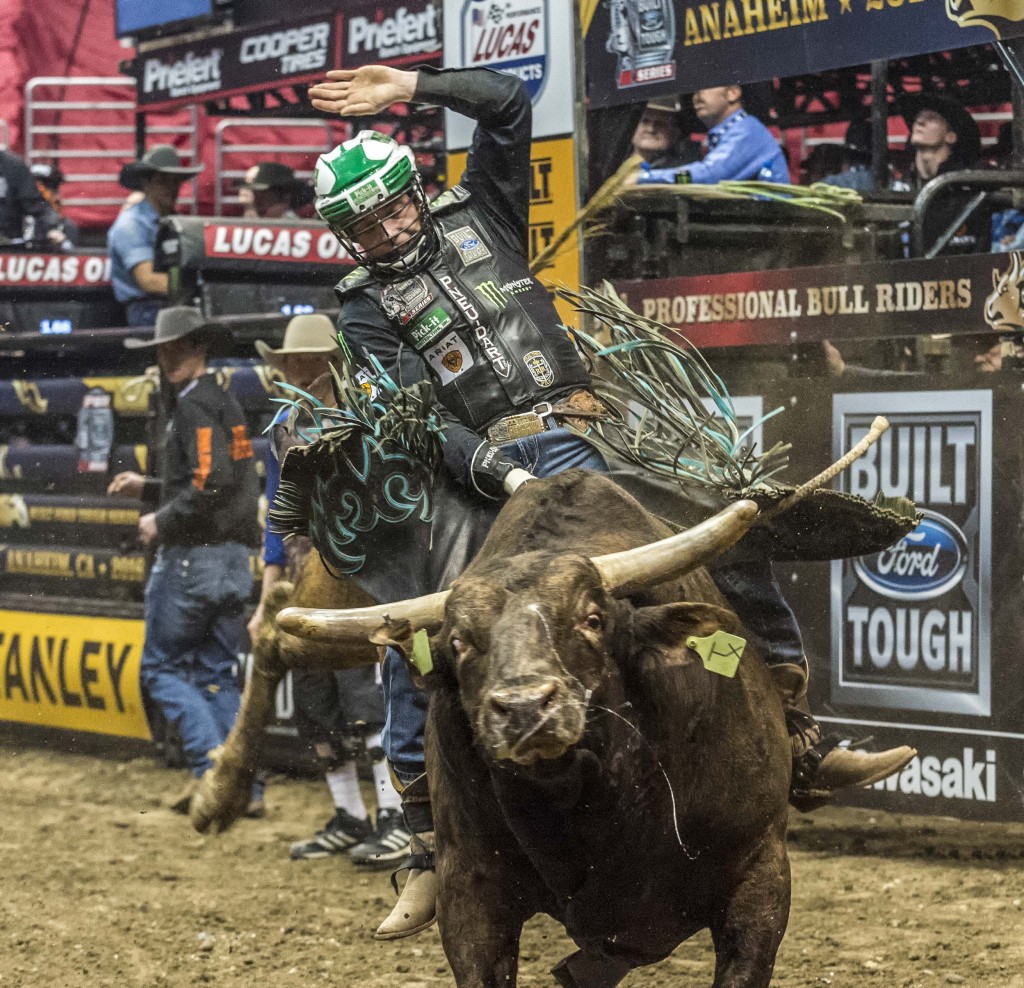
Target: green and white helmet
(372,177)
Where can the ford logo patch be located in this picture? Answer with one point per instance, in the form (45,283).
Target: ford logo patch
(469,244)
(927,563)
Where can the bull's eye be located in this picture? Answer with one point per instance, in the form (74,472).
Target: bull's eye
(594,622)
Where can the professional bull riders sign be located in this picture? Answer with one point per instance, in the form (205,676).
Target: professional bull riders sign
(637,49)
(957,295)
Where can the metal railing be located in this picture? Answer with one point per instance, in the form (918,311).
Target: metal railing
(49,116)
(981,183)
(226,179)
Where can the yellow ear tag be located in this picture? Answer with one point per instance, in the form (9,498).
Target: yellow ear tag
(720,652)
(421,657)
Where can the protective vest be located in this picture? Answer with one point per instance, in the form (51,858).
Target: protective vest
(486,329)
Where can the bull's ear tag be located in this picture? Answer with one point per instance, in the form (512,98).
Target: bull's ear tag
(720,652)
(421,657)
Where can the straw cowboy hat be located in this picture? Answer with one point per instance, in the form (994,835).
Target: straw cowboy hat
(163,159)
(176,323)
(304,334)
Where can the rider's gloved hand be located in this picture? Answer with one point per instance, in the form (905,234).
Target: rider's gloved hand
(493,473)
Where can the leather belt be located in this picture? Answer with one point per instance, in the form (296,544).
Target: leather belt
(539,419)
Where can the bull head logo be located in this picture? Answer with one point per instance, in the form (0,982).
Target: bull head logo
(984,13)
(13,511)
(31,397)
(1004,308)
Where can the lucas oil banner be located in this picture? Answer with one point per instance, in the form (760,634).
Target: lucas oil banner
(639,49)
(910,624)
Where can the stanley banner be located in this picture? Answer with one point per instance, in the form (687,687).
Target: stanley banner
(639,49)
(76,673)
(977,294)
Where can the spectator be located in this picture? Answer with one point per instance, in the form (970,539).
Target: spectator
(24,215)
(740,147)
(824,161)
(273,187)
(658,137)
(63,230)
(333,710)
(855,172)
(944,138)
(246,198)
(132,239)
(204,525)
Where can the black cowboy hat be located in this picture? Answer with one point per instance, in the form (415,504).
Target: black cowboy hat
(175,323)
(272,175)
(967,149)
(163,159)
(49,175)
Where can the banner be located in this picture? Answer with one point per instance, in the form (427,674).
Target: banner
(54,270)
(976,294)
(56,562)
(241,61)
(639,49)
(533,40)
(910,625)
(66,518)
(284,244)
(76,673)
(389,33)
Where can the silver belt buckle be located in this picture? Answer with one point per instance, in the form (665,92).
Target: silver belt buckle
(515,427)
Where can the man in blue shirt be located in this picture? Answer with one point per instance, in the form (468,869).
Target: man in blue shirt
(740,147)
(132,239)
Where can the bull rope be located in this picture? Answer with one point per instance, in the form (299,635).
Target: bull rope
(879,426)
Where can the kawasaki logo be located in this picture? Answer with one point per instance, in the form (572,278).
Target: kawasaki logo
(950,778)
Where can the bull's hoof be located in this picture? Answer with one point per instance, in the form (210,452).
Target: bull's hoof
(222,796)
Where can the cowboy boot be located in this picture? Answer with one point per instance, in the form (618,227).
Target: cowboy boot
(823,764)
(416,909)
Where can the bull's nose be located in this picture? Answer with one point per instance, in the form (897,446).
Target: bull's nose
(522,706)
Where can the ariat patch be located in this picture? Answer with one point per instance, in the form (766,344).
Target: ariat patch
(405,300)
(469,245)
(449,357)
(429,326)
(539,368)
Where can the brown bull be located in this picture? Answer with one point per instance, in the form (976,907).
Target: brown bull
(582,760)
(223,792)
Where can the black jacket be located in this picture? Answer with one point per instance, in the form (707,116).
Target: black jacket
(20,199)
(472,318)
(209,492)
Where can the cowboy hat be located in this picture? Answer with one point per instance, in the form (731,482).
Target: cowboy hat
(304,334)
(163,159)
(968,137)
(175,323)
(271,175)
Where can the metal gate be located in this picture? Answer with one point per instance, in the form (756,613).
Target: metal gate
(51,116)
(231,159)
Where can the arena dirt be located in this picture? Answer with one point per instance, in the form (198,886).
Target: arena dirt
(99,885)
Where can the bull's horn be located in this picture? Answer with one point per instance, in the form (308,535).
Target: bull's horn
(625,573)
(359,623)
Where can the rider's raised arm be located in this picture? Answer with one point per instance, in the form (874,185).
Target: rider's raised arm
(498,170)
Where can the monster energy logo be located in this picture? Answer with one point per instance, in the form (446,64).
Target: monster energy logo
(493,293)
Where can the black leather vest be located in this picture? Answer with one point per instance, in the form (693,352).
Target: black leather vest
(486,329)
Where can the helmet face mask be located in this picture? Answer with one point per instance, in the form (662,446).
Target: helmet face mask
(370,195)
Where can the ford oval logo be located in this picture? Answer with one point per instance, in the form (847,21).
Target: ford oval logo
(928,562)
